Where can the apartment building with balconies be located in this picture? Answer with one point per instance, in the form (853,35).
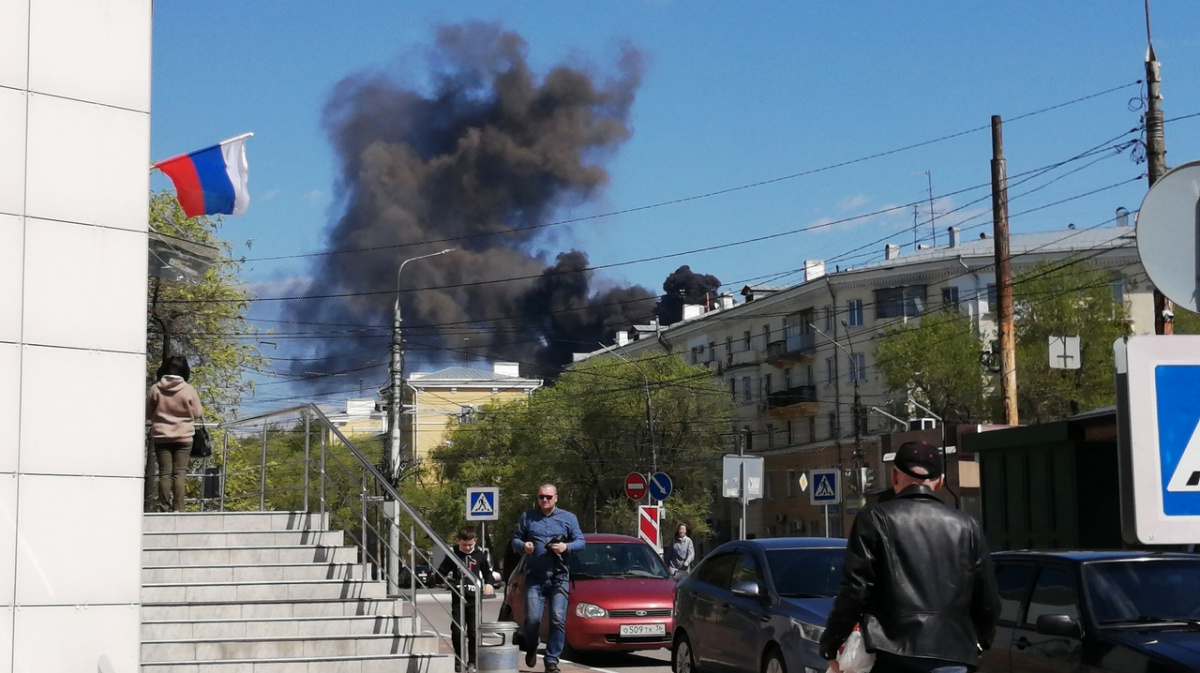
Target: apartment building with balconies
(795,359)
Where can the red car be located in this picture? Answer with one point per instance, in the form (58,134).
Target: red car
(622,597)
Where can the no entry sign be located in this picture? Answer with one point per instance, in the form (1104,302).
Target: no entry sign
(635,485)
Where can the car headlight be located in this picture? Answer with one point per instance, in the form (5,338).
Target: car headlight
(589,611)
(807,631)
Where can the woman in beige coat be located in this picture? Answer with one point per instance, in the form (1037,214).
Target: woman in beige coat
(172,408)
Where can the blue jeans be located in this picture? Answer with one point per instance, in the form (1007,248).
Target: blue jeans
(555,590)
(890,663)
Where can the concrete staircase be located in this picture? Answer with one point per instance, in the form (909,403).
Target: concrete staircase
(270,592)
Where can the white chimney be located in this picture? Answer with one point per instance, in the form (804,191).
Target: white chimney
(622,337)
(725,301)
(891,251)
(953,236)
(813,269)
(692,311)
(507,368)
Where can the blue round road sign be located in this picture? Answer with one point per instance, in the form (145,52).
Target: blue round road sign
(660,486)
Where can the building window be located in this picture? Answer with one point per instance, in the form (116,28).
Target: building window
(695,355)
(830,371)
(733,389)
(787,378)
(770,435)
(748,438)
(790,489)
(728,346)
(746,340)
(854,308)
(950,298)
(828,318)
(747,394)
(833,426)
(899,302)
(767,384)
(858,367)
(712,351)
(809,379)
(1118,286)
(993,302)
(791,433)
(766,335)
(812,429)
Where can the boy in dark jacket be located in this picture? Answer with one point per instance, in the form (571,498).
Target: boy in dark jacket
(476,561)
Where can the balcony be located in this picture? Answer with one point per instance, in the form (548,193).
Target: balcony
(793,348)
(741,359)
(795,401)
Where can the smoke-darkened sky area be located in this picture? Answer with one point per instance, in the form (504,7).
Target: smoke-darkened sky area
(476,163)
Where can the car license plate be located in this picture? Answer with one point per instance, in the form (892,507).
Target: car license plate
(643,630)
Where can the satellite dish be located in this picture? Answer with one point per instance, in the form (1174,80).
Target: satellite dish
(1167,237)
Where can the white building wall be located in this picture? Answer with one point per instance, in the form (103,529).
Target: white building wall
(74,180)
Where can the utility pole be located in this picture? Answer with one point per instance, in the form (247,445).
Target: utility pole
(1156,158)
(1004,312)
(395,390)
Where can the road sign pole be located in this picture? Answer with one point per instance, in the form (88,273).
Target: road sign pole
(826,508)
(742,482)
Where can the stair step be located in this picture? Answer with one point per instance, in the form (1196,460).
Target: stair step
(218,521)
(241,538)
(262,591)
(208,556)
(288,647)
(180,611)
(278,627)
(197,574)
(408,663)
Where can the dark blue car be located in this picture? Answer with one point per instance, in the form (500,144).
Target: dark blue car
(757,606)
(1096,612)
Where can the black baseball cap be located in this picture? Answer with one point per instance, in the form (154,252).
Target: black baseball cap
(923,456)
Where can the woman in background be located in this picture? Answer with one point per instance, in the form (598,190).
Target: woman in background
(681,554)
(172,407)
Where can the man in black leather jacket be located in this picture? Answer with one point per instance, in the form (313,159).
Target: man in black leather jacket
(916,577)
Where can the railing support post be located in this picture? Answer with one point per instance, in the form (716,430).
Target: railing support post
(262,473)
(307,451)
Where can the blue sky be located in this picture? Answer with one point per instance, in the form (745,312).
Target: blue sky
(734,94)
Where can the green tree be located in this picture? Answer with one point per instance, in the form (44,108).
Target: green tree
(1065,298)
(204,322)
(937,360)
(585,434)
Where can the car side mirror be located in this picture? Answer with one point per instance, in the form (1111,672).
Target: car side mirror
(747,589)
(1057,625)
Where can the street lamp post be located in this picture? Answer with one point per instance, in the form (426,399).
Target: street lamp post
(649,408)
(856,414)
(397,371)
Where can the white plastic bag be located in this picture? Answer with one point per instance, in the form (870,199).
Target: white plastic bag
(853,656)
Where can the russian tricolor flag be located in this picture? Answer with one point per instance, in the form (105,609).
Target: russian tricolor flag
(211,181)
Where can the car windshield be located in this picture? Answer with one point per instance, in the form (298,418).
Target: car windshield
(1143,591)
(616,559)
(806,573)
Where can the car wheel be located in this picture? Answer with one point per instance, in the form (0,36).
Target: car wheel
(683,660)
(774,663)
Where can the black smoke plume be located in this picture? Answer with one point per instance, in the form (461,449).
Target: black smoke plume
(477,163)
(684,287)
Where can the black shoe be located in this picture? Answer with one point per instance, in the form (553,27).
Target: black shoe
(531,658)
(552,668)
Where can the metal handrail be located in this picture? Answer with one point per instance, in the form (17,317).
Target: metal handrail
(380,505)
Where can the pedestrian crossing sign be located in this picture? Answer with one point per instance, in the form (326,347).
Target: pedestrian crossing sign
(826,488)
(483,503)
(1159,419)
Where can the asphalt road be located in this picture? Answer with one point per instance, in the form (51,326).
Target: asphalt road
(435,609)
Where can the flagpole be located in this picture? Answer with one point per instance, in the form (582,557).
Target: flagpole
(155,164)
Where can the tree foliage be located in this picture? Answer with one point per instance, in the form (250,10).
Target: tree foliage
(1065,299)
(937,360)
(204,321)
(585,434)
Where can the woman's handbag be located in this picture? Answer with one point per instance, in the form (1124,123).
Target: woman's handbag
(201,444)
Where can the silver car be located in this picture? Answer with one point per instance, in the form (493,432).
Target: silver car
(757,606)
